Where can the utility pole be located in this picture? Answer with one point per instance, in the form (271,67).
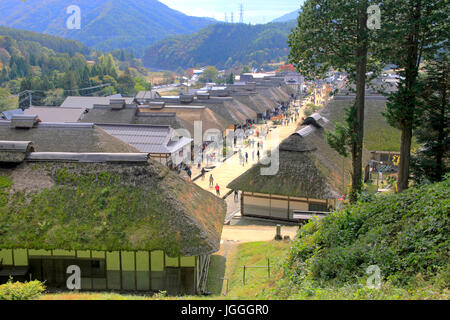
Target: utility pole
(241,17)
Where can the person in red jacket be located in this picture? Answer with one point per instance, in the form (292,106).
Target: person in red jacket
(217,189)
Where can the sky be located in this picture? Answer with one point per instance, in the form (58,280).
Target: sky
(255,11)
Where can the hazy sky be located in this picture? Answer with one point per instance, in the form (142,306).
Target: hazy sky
(255,11)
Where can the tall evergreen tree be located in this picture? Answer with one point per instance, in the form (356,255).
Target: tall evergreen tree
(333,34)
(413,30)
(431,162)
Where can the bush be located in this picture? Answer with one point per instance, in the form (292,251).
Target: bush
(405,235)
(21,291)
(311,108)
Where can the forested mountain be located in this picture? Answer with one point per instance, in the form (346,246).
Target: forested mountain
(222,45)
(105,24)
(288,17)
(54,68)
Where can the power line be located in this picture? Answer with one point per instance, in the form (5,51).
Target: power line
(72,90)
(42,94)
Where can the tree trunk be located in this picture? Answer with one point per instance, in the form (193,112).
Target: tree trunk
(442,127)
(358,124)
(405,158)
(411,74)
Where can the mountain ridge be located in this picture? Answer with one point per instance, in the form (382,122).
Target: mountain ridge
(287,17)
(222,45)
(105,24)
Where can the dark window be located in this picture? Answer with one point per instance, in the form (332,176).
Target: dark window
(318,207)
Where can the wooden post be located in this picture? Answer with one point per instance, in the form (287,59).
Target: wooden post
(135,272)
(92,279)
(244,276)
(120,267)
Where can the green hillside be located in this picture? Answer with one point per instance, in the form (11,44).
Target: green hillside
(49,65)
(222,45)
(404,235)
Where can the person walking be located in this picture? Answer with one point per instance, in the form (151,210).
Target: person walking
(246,157)
(259,155)
(211,181)
(189,173)
(203,174)
(217,189)
(236,196)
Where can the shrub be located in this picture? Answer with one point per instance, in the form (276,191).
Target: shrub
(405,235)
(21,291)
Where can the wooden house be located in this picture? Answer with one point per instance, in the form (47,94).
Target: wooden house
(126,221)
(311,177)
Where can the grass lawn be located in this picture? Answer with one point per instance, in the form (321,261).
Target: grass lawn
(257,280)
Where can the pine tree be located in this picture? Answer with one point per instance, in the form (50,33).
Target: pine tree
(431,162)
(333,34)
(413,30)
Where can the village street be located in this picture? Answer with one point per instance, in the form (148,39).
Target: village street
(232,168)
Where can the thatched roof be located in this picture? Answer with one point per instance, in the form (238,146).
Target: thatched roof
(108,115)
(378,134)
(65,137)
(106,205)
(309,168)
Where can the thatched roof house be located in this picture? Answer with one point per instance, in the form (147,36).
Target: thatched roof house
(136,224)
(311,176)
(61,137)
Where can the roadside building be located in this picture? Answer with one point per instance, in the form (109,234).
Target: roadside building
(127,222)
(61,137)
(311,177)
(161,142)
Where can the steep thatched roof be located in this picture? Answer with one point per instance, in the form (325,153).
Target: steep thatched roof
(131,205)
(65,137)
(107,115)
(309,168)
(378,134)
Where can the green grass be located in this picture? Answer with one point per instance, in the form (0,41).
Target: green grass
(257,280)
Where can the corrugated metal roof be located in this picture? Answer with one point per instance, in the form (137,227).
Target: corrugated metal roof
(145,138)
(306,131)
(7,115)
